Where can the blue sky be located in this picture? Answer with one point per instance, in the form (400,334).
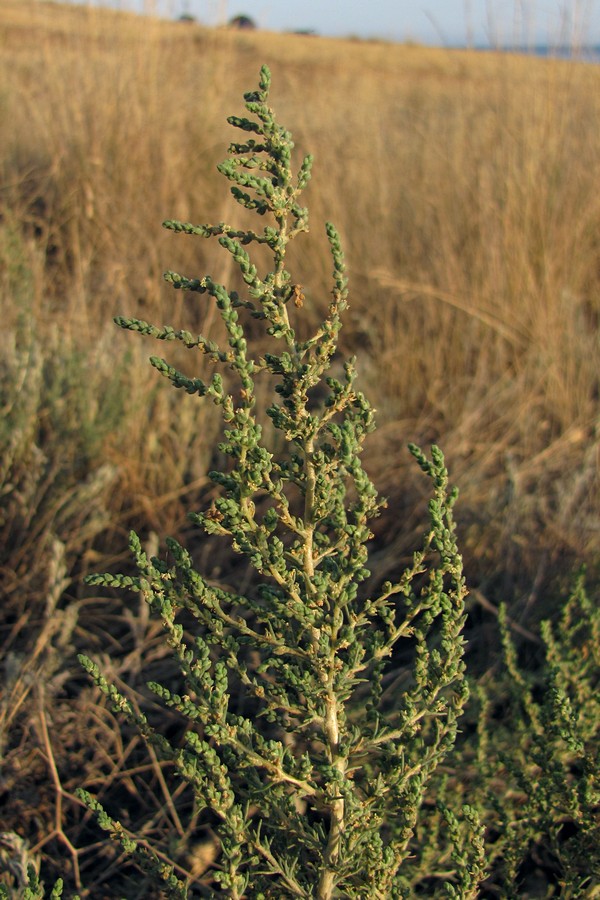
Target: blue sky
(430,21)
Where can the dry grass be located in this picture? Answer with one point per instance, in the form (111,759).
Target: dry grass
(465,188)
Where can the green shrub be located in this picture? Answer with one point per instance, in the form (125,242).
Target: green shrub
(316,708)
(34,888)
(539,760)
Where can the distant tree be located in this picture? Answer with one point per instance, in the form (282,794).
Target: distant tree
(242,22)
(186,15)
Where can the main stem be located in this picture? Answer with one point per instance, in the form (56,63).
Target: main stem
(309,507)
(327,880)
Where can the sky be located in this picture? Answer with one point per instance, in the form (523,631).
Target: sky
(446,22)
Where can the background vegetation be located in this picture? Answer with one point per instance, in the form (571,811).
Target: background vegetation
(465,189)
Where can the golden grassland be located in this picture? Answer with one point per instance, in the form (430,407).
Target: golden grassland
(465,187)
